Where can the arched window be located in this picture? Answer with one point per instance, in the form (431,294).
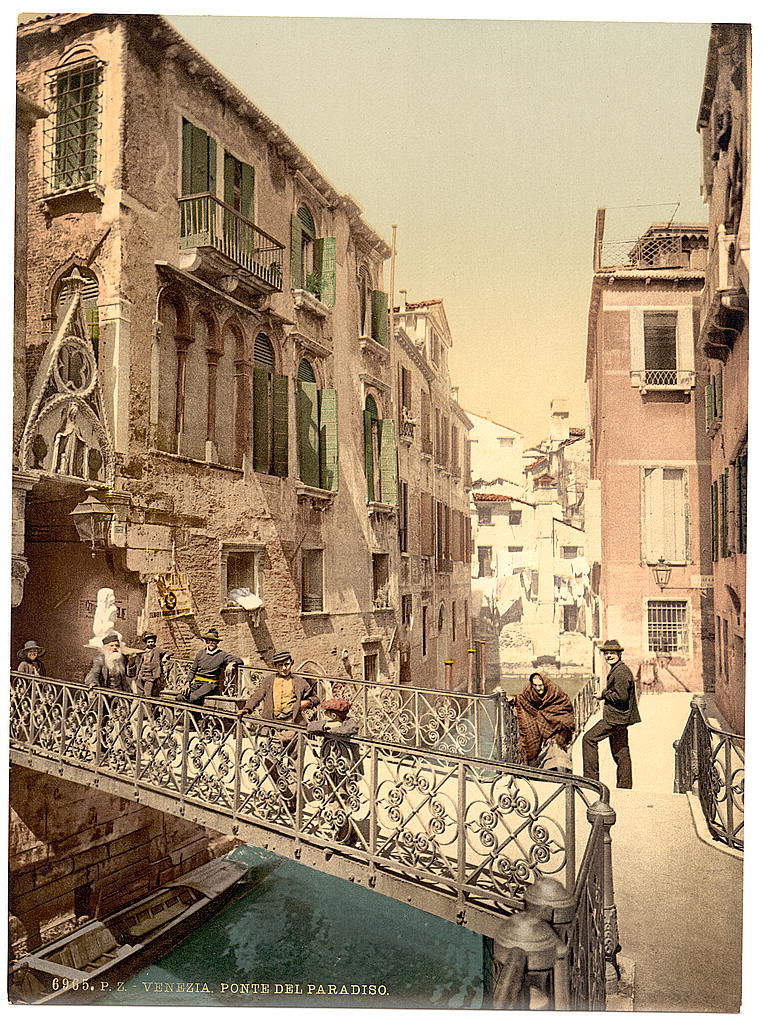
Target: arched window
(312,258)
(380,455)
(365,304)
(441,619)
(317,427)
(269,416)
(89,301)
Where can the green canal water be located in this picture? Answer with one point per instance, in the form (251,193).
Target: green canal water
(308,930)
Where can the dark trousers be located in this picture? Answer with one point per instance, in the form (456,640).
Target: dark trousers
(198,690)
(620,751)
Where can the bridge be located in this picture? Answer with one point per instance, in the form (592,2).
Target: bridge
(474,840)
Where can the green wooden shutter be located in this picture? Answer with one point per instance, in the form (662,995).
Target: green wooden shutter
(714,520)
(296,252)
(742,503)
(248,191)
(308,432)
(389,486)
(719,391)
(280,412)
(368,421)
(187,157)
(380,326)
(324,261)
(261,434)
(199,160)
(709,405)
(328,439)
(229,174)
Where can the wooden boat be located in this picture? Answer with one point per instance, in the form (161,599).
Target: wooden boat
(84,964)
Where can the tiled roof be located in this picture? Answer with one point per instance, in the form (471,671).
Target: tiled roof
(493,497)
(538,462)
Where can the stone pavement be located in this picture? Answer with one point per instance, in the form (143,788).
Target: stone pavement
(678,892)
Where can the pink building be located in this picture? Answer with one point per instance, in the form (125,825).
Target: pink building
(724,126)
(650,480)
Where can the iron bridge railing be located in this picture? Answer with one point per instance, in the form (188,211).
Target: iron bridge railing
(714,762)
(466,833)
(475,724)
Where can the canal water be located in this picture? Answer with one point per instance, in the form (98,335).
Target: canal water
(308,930)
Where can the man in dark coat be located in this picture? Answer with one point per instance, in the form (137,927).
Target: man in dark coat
(109,667)
(210,666)
(284,696)
(148,667)
(620,709)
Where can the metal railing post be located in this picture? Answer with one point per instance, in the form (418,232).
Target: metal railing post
(555,904)
(603,812)
(524,942)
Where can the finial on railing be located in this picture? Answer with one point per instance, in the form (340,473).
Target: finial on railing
(524,942)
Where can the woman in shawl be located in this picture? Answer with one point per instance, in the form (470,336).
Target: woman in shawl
(545,719)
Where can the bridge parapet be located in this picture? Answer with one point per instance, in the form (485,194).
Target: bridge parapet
(712,759)
(459,837)
(474,724)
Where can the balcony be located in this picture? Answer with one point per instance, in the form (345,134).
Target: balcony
(226,246)
(723,302)
(663,380)
(407,426)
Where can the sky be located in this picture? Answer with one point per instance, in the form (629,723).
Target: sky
(490,144)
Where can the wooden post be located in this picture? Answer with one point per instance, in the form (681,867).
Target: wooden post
(449,663)
(606,814)
(470,670)
(481,681)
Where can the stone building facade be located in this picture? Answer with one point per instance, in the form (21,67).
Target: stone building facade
(434,523)
(207,346)
(649,452)
(724,126)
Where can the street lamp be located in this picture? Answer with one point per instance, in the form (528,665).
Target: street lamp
(662,573)
(92,520)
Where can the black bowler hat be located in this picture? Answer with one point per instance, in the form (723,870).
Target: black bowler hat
(281,657)
(149,636)
(211,634)
(611,645)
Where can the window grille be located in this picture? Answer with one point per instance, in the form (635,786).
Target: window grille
(659,339)
(668,627)
(71,134)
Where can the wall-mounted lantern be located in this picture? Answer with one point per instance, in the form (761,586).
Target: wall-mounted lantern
(92,520)
(662,573)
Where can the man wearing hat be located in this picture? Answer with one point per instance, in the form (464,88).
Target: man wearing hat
(620,709)
(148,667)
(30,656)
(210,667)
(284,696)
(109,667)
(341,766)
(336,722)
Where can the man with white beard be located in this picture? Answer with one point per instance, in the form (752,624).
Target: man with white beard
(109,668)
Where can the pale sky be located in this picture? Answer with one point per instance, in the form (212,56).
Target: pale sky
(490,144)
